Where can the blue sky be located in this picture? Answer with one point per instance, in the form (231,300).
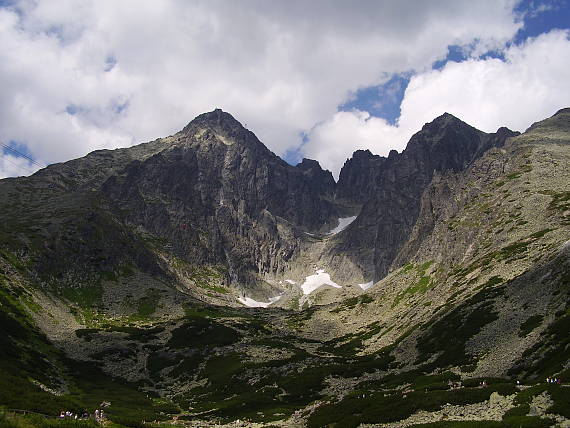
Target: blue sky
(384,100)
(313,79)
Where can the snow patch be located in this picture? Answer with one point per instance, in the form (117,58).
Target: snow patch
(312,282)
(342,224)
(366,286)
(290,281)
(248,301)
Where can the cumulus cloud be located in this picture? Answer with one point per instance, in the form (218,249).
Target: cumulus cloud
(333,141)
(77,76)
(530,84)
(12,166)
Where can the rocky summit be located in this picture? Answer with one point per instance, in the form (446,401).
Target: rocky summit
(199,280)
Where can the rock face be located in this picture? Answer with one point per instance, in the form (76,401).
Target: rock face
(221,197)
(321,181)
(392,194)
(358,177)
(211,195)
(214,196)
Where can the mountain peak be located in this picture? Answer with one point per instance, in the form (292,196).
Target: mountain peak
(309,164)
(554,128)
(223,127)
(363,154)
(446,119)
(215,119)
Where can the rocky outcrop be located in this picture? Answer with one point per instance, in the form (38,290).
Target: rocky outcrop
(321,181)
(358,177)
(392,199)
(219,196)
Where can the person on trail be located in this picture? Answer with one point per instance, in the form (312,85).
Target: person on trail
(97,414)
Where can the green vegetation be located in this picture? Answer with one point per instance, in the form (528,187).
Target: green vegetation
(350,344)
(207,277)
(275,390)
(86,296)
(202,331)
(297,319)
(147,305)
(434,382)
(8,420)
(381,407)
(233,387)
(560,201)
(530,324)
(449,334)
(424,283)
(508,253)
(494,280)
(24,352)
(513,175)
(560,396)
(350,303)
(513,422)
(28,358)
(12,259)
(92,387)
(215,312)
(549,356)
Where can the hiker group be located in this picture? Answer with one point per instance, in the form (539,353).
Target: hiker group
(553,380)
(99,415)
(66,414)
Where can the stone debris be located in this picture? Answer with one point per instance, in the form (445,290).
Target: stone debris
(490,410)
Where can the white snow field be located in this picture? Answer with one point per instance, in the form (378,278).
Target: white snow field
(248,301)
(342,224)
(366,286)
(312,282)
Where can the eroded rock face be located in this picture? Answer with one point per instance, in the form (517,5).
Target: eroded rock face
(320,180)
(211,195)
(391,197)
(219,196)
(358,177)
(214,195)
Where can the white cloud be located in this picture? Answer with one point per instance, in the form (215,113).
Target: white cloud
(333,141)
(529,85)
(280,67)
(11,166)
